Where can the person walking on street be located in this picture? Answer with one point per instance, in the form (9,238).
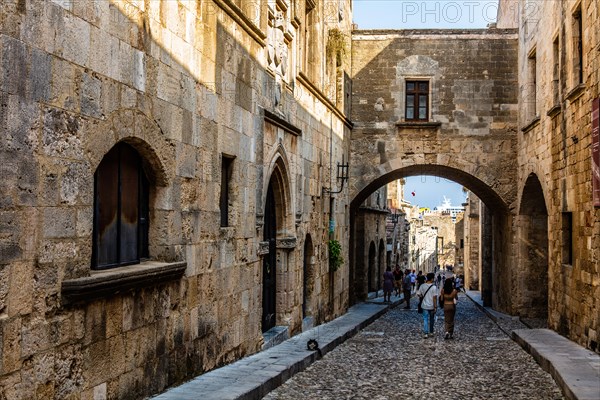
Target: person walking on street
(406,288)
(429,293)
(420,279)
(388,285)
(397,279)
(448,302)
(413,280)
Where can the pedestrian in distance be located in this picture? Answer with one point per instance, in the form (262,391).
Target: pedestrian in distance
(420,279)
(448,299)
(461,284)
(413,279)
(406,288)
(397,279)
(429,293)
(388,284)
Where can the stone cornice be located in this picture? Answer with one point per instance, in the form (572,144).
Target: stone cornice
(554,111)
(282,123)
(576,92)
(305,81)
(464,34)
(419,125)
(109,282)
(532,124)
(238,16)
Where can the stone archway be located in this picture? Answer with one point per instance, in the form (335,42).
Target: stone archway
(532,247)
(497,228)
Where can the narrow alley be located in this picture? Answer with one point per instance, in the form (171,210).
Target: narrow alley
(390,359)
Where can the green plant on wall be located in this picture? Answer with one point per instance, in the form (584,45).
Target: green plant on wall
(335,255)
(336,45)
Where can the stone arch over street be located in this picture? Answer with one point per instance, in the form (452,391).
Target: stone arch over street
(429,104)
(496,232)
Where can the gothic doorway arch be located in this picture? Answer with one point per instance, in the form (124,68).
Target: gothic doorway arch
(277,247)
(532,225)
(269,293)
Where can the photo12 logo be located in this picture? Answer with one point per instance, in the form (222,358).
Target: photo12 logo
(448,11)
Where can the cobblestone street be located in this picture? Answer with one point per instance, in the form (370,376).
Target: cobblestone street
(390,359)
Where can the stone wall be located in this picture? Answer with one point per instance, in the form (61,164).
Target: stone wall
(472,253)
(183,83)
(556,150)
(370,244)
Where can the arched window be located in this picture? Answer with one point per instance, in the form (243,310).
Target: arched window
(120,209)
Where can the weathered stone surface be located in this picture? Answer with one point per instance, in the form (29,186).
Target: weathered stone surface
(556,152)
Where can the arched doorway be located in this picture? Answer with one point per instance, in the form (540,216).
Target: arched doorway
(533,250)
(371,268)
(308,277)
(269,292)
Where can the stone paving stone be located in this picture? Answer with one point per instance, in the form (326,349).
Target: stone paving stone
(390,359)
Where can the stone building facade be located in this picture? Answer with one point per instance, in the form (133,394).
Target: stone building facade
(558,220)
(370,239)
(168,175)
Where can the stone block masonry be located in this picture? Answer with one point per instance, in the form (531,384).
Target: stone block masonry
(185,84)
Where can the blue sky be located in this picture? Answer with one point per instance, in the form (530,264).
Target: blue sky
(412,14)
(430,191)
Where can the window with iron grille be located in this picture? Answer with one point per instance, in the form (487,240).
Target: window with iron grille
(417,101)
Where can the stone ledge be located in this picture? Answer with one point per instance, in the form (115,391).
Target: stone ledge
(576,92)
(117,280)
(532,124)
(554,111)
(419,125)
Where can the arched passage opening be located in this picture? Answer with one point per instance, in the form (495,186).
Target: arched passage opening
(532,228)
(495,234)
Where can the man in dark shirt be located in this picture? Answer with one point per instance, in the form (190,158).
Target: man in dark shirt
(406,288)
(420,279)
